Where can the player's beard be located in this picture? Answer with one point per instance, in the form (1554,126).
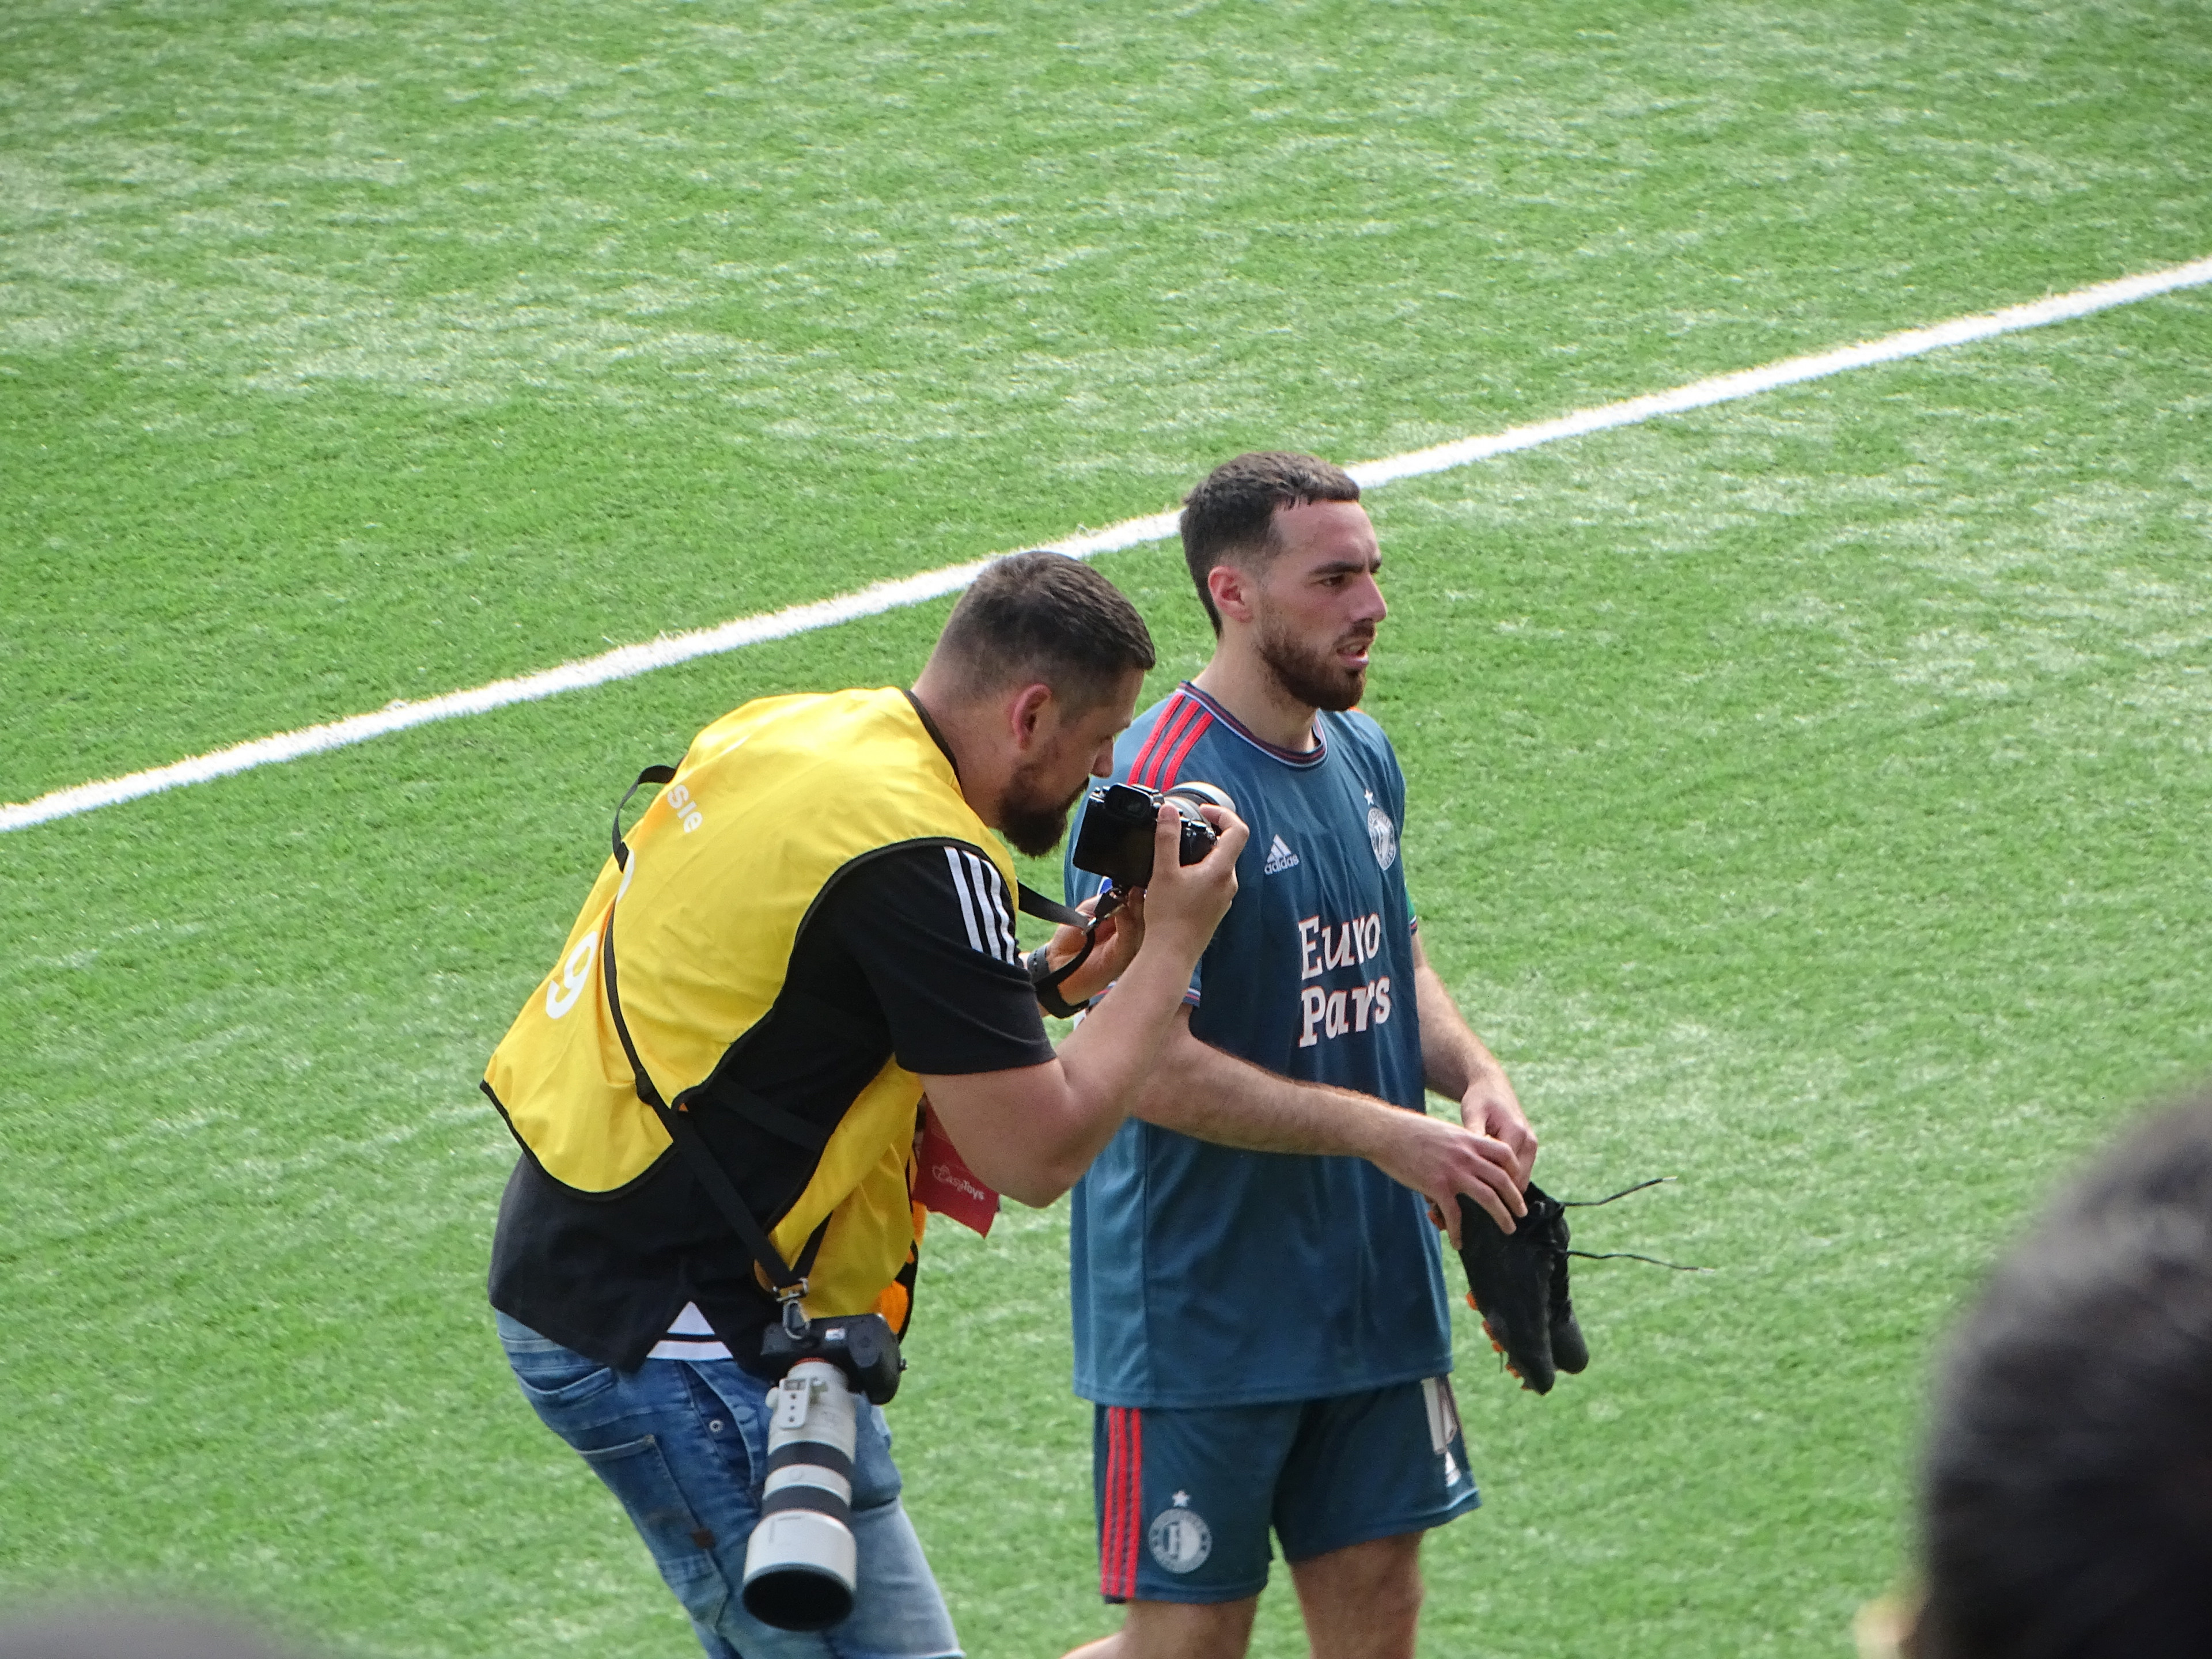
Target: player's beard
(1315,678)
(1028,815)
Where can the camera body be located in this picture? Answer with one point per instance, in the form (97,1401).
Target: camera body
(1116,838)
(802,1563)
(862,1345)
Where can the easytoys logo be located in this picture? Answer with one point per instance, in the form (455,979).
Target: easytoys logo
(1347,944)
(959,1181)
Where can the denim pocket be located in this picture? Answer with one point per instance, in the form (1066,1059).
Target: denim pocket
(558,1378)
(638,1474)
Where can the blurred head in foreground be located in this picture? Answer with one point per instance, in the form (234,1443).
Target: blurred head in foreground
(2066,1491)
(133,1632)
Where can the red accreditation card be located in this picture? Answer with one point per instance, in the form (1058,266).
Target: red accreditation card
(944,1184)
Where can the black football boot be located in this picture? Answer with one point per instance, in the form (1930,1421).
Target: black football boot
(1509,1281)
(1547,1225)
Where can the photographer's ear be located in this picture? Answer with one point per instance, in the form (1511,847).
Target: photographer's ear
(1030,717)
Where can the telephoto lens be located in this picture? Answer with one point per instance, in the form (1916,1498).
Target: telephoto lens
(801,1564)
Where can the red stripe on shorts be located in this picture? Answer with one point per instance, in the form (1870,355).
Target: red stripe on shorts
(1124,1489)
(1135,1529)
(1110,1510)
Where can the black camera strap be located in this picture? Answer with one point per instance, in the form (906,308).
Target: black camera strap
(676,1120)
(1046,980)
(1034,904)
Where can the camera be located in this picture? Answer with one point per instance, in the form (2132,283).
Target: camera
(1116,838)
(861,1346)
(801,1563)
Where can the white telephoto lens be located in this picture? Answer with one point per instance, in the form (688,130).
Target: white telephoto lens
(801,1564)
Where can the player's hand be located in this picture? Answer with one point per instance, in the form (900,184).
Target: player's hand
(1491,1107)
(1441,1160)
(1114,947)
(1185,903)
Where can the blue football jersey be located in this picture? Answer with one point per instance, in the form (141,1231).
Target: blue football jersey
(1205,1275)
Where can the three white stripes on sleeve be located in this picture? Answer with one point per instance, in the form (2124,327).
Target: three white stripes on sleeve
(983,906)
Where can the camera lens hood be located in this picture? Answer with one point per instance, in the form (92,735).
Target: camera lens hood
(1210,794)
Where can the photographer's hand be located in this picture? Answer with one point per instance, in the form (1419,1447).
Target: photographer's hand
(1185,902)
(1115,942)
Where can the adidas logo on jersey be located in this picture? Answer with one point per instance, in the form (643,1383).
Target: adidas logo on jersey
(1279,858)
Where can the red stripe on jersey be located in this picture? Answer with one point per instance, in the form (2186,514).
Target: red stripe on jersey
(1154,737)
(1167,772)
(1179,713)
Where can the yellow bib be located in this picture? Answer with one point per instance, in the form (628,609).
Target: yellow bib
(770,803)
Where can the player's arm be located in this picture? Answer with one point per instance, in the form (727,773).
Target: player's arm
(1197,1090)
(1455,1064)
(1031,1130)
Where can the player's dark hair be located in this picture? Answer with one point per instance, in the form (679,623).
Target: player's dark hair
(1230,518)
(2067,1484)
(1044,616)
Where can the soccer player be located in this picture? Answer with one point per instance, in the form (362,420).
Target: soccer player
(1259,1296)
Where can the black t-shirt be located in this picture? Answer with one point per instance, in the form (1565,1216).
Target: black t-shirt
(907,952)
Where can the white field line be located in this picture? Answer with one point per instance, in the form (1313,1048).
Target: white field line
(630,660)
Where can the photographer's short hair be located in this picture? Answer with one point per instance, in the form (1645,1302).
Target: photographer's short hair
(2067,1484)
(1230,518)
(1042,616)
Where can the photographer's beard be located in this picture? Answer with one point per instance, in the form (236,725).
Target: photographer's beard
(1316,679)
(1030,817)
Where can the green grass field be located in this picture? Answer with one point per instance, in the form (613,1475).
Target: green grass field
(1807,794)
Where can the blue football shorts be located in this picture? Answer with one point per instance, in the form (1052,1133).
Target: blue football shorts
(1186,1498)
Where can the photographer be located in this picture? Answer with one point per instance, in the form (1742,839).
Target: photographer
(807,928)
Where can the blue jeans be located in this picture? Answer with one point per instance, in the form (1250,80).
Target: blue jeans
(683,1444)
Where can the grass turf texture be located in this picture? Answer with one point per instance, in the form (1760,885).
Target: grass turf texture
(354,352)
(1804,792)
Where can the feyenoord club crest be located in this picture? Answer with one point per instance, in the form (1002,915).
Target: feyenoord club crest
(1384,835)
(1180,1538)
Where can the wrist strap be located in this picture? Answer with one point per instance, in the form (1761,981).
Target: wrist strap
(1044,980)
(1046,983)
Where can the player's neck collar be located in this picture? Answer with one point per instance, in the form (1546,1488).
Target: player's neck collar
(1302,758)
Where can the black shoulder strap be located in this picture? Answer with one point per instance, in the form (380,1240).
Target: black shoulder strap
(651,774)
(678,1123)
(1034,904)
